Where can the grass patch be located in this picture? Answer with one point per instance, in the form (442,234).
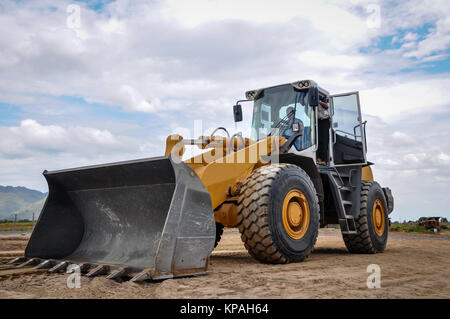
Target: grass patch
(22,226)
(408,227)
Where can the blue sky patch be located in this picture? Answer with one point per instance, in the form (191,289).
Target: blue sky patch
(10,115)
(96,5)
(395,41)
(439,66)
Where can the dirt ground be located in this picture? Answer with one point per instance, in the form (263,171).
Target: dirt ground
(413,266)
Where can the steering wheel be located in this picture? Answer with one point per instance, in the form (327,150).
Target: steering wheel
(220,128)
(286,121)
(290,116)
(285,124)
(239,135)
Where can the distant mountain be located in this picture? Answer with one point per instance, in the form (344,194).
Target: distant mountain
(21,201)
(27,211)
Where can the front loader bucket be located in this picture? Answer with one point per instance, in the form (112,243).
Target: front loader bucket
(150,219)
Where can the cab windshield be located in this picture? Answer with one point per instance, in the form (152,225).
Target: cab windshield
(276,109)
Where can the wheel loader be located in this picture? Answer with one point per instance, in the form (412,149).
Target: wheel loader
(159,218)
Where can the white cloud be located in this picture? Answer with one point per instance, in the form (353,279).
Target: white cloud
(326,61)
(400,100)
(403,138)
(444,158)
(26,150)
(437,40)
(31,137)
(410,36)
(132,99)
(411,157)
(183,60)
(113,26)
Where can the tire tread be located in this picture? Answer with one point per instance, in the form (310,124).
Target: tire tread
(253,219)
(361,242)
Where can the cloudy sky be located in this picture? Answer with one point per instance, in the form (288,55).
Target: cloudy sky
(87,82)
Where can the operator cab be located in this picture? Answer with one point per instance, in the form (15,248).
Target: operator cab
(284,111)
(292,110)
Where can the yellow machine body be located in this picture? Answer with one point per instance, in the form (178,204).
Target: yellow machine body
(222,172)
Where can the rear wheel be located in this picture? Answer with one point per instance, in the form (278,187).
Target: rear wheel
(278,214)
(372,224)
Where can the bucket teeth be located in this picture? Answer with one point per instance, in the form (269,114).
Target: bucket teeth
(143,275)
(58,267)
(85,267)
(30,262)
(45,264)
(17,260)
(97,271)
(119,273)
(90,270)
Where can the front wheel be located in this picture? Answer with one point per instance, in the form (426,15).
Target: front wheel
(278,214)
(372,224)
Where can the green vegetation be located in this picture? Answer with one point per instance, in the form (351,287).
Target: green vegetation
(408,227)
(422,225)
(4,221)
(20,226)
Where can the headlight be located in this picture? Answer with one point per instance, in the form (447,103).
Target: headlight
(302,85)
(252,95)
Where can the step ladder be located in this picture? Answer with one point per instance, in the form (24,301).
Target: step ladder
(342,190)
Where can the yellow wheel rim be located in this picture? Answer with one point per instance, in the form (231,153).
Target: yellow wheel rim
(295,214)
(378,218)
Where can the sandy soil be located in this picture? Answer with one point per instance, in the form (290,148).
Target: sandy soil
(413,266)
(14,242)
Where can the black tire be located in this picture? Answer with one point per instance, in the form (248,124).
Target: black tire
(260,214)
(219,232)
(367,241)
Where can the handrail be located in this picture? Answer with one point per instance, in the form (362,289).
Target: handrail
(354,129)
(348,133)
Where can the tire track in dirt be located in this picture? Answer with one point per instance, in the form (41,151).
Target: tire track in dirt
(413,266)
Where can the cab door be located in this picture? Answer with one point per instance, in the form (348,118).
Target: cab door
(348,138)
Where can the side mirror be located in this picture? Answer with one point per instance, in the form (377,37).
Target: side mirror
(313,97)
(237,112)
